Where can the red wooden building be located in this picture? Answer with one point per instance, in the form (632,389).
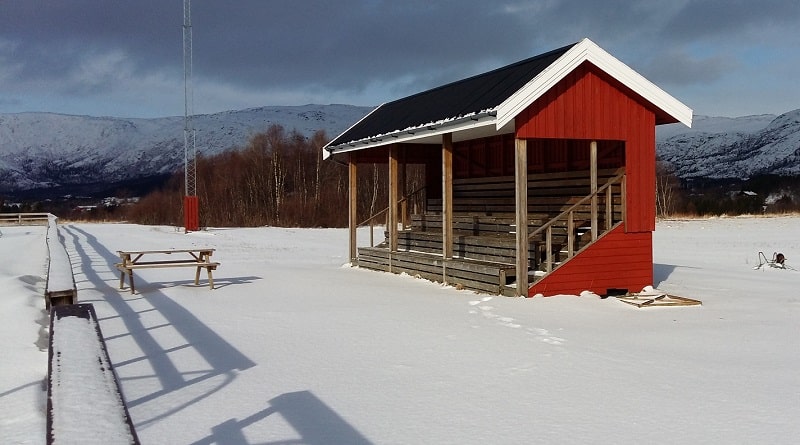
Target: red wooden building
(540,176)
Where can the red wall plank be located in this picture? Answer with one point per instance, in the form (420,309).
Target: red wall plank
(588,104)
(616,260)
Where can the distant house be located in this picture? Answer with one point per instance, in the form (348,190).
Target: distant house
(540,176)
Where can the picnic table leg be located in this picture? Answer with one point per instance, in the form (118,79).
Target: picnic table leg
(130,279)
(210,278)
(122,274)
(197,276)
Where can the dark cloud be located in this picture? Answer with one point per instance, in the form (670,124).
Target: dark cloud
(356,51)
(731,19)
(678,67)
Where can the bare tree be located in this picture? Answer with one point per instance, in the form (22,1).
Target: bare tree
(667,186)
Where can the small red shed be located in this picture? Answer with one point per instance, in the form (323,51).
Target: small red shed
(540,176)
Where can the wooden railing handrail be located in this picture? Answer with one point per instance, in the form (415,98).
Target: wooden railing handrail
(569,214)
(369,220)
(572,208)
(381,212)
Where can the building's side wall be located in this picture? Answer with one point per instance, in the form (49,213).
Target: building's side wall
(616,260)
(590,105)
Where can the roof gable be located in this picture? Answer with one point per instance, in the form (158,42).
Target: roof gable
(493,99)
(588,51)
(458,99)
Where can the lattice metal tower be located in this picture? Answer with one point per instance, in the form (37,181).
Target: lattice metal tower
(190,209)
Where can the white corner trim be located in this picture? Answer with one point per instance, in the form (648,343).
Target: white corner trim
(586,50)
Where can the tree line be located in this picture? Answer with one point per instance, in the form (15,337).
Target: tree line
(278,179)
(763,194)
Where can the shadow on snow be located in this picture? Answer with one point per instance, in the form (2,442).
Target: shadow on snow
(316,423)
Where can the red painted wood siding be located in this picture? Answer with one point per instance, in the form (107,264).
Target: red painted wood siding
(616,260)
(588,104)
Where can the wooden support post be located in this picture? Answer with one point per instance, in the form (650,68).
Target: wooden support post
(570,234)
(352,207)
(402,190)
(593,180)
(609,208)
(447,202)
(521,204)
(447,195)
(549,249)
(392,213)
(624,201)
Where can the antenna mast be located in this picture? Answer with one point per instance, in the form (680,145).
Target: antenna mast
(190,203)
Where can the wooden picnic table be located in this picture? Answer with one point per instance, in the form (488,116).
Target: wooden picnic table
(200,258)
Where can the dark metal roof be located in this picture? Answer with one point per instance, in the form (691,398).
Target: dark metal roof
(464,97)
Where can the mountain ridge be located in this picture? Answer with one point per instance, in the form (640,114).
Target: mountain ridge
(746,147)
(40,150)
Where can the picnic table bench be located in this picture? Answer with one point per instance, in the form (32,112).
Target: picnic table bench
(199,258)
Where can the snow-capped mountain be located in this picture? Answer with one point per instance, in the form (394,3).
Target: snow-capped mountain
(40,150)
(733,147)
(45,149)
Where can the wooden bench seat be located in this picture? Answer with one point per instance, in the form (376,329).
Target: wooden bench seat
(484,230)
(488,225)
(485,276)
(174,263)
(548,194)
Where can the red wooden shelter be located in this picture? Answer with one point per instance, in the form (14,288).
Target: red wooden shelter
(540,176)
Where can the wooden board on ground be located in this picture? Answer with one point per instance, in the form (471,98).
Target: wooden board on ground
(651,299)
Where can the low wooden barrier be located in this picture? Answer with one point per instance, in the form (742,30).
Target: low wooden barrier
(84,401)
(60,288)
(23,219)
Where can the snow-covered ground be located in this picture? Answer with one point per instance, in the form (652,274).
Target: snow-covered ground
(293,347)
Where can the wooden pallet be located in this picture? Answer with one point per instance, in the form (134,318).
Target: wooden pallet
(651,299)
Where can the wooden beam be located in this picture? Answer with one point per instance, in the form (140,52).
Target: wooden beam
(352,201)
(402,189)
(624,199)
(521,204)
(447,200)
(393,183)
(593,174)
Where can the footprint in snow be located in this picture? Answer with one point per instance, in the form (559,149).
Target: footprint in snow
(477,302)
(544,336)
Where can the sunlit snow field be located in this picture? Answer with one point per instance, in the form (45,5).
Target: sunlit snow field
(295,347)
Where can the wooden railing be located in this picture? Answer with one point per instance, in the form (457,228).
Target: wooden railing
(60,287)
(568,215)
(20,219)
(84,400)
(404,215)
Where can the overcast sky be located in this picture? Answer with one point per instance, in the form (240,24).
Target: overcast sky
(124,58)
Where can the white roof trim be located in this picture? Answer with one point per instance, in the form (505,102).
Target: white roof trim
(326,153)
(586,50)
(415,133)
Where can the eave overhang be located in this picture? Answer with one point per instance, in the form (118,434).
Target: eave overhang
(463,128)
(500,120)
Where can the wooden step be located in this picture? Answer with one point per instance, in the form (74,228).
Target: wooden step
(484,276)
